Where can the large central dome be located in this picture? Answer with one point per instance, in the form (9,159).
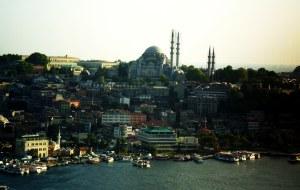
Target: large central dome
(153,50)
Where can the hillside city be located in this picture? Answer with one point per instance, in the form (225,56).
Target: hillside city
(66,106)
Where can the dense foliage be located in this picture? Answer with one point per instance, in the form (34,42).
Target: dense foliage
(37,59)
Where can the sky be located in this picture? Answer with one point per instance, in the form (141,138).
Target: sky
(244,33)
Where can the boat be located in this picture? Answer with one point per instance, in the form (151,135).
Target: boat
(294,158)
(252,156)
(43,167)
(227,156)
(243,157)
(162,157)
(148,156)
(179,158)
(197,158)
(141,163)
(93,160)
(109,159)
(35,169)
(4,187)
(126,159)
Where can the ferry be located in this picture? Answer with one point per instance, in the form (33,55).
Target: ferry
(227,156)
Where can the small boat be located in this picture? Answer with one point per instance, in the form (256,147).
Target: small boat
(126,159)
(109,159)
(4,187)
(141,163)
(197,158)
(243,157)
(35,169)
(162,157)
(148,156)
(179,158)
(93,160)
(252,156)
(294,158)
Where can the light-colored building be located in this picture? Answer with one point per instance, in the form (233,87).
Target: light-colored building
(32,144)
(116,116)
(123,131)
(62,61)
(158,138)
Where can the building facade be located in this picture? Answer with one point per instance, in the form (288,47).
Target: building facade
(123,131)
(158,138)
(32,144)
(116,117)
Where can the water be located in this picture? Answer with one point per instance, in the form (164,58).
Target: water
(266,173)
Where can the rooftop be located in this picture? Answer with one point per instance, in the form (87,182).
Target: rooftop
(158,129)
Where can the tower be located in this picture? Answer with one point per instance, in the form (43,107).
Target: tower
(172,50)
(58,138)
(177,51)
(213,65)
(208,64)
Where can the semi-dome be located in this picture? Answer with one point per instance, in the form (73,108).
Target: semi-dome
(153,50)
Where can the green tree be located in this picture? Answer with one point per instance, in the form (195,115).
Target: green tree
(194,74)
(9,59)
(37,59)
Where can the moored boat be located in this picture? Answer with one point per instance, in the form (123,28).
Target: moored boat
(197,158)
(93,160)
(141,163)
(109,159)
(227,156)
(294,158)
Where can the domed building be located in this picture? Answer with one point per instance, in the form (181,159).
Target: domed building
(154,63)
(150,65)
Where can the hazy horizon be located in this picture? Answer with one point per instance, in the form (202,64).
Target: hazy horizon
(244,33)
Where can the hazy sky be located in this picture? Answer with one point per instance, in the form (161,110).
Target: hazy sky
(247,33)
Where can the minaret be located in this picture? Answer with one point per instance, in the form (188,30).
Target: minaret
(208,64)
(58,138)
(213,65)
(177,51)
(172,50)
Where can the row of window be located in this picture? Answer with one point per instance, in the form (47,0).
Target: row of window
(36,144)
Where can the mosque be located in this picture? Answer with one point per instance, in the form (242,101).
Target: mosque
(154,63)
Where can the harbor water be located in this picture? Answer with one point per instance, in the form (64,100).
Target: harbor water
(265,173)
